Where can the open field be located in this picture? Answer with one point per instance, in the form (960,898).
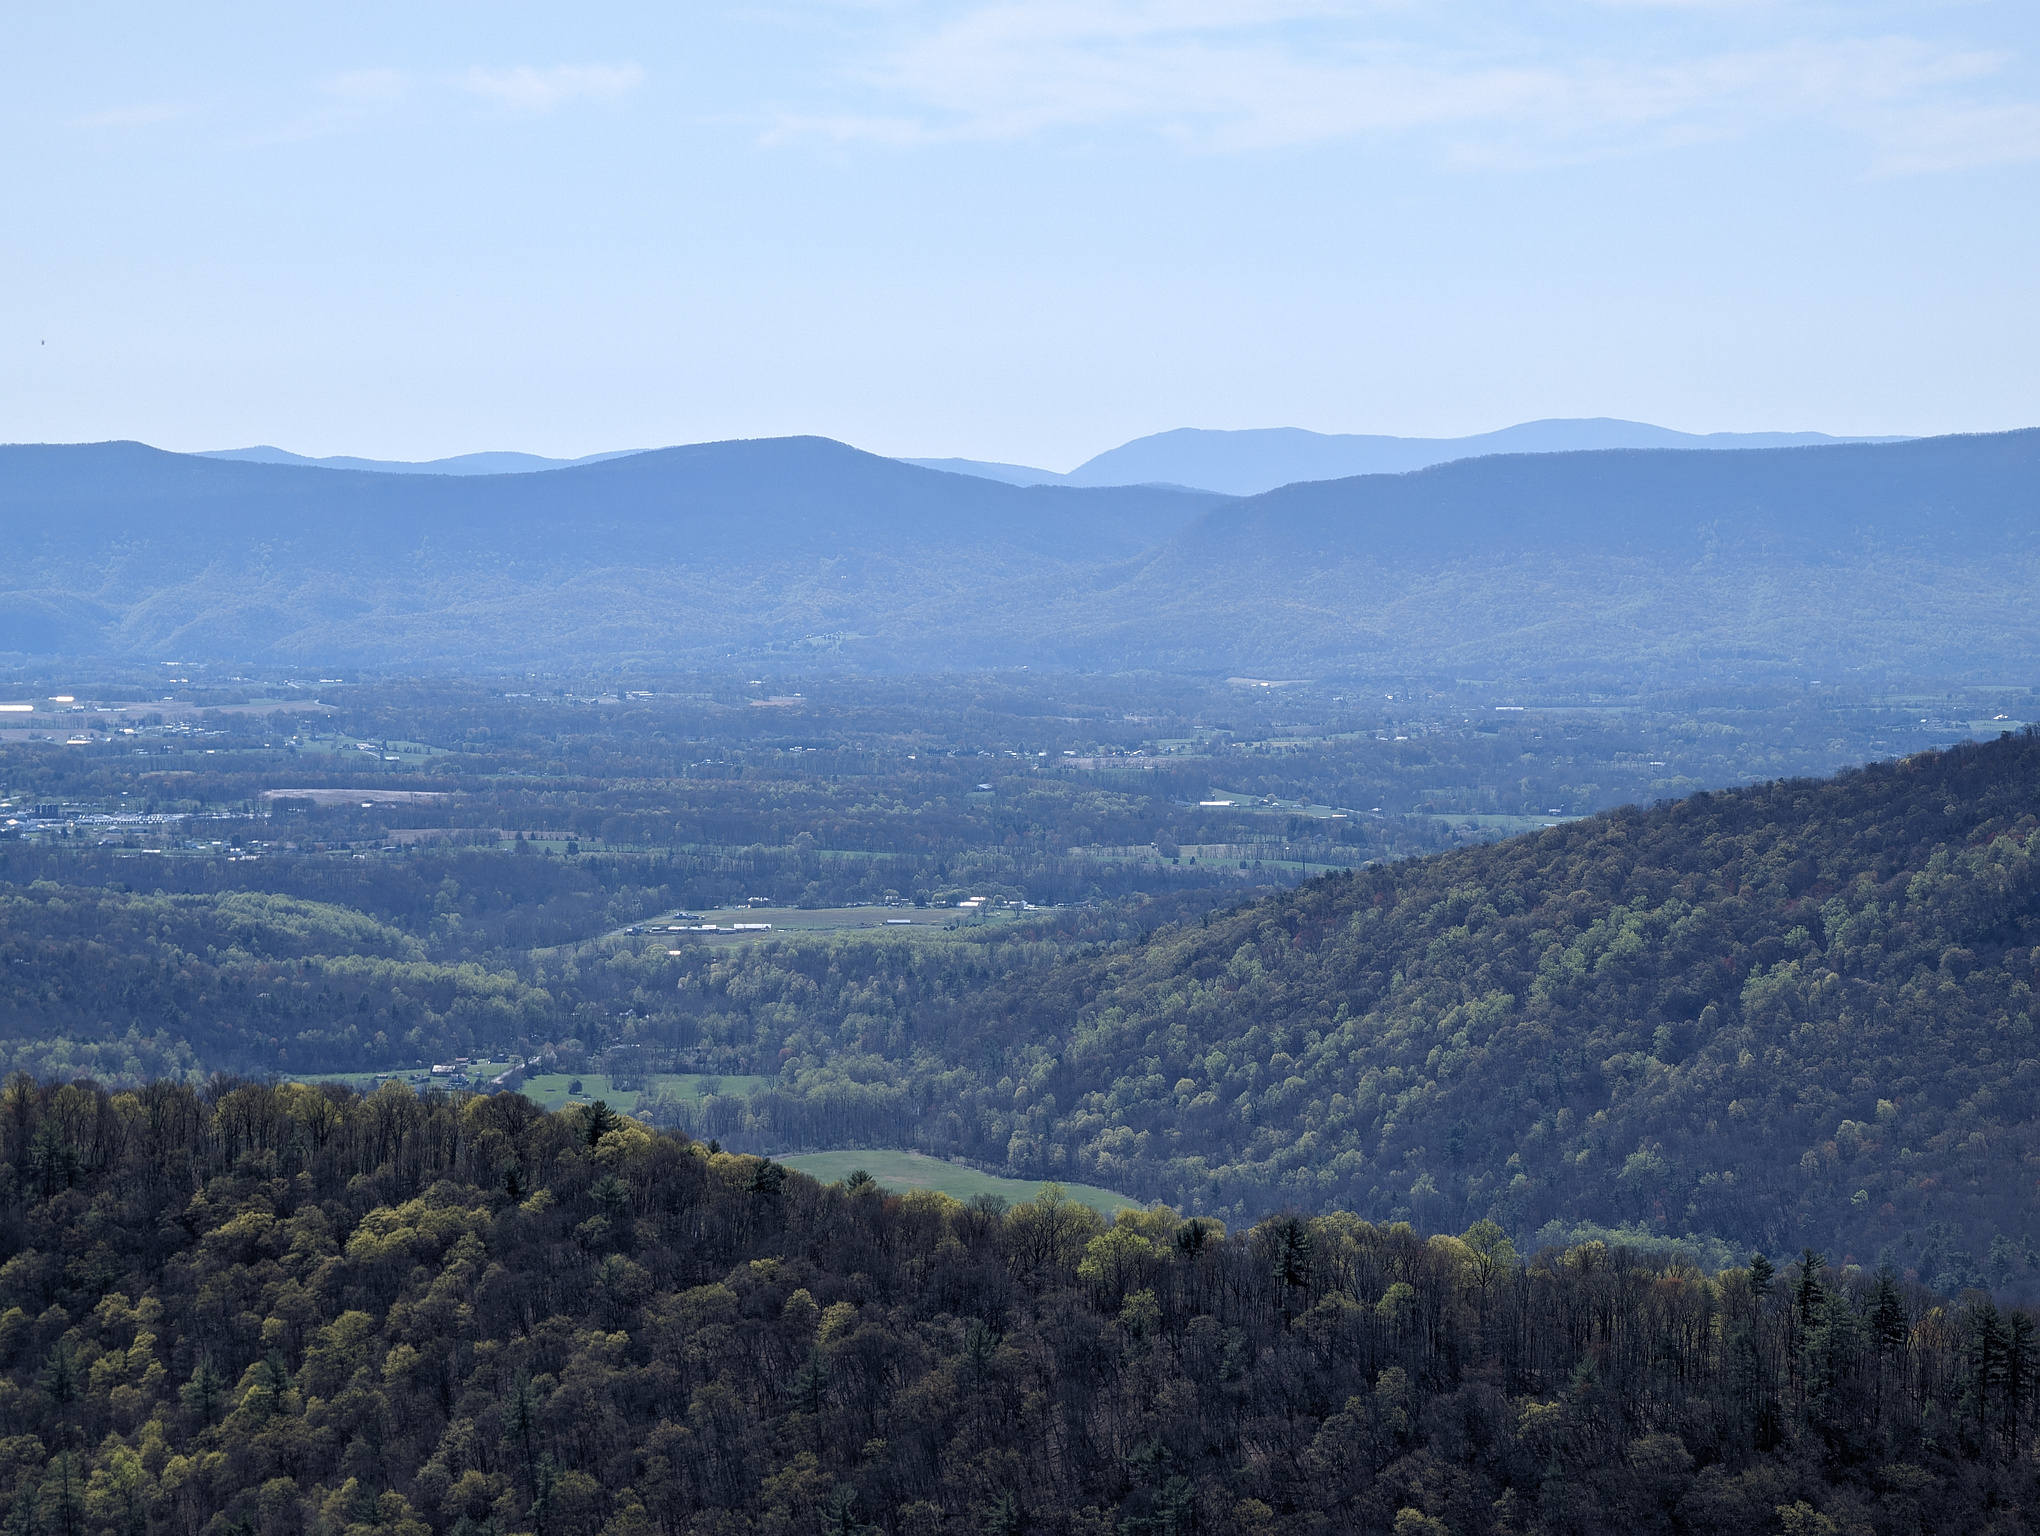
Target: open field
(913,922)
(360,796)
(1507,826)
(556,1090)
(387,751)
(914,1170)
(1247,803)
(476,1074)
(553,1090)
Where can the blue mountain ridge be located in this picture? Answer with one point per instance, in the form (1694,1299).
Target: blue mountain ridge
(1235,463)
(1246,463)
(495,463)
(1919,556)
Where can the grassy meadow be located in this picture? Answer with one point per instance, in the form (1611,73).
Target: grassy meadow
(915,1170)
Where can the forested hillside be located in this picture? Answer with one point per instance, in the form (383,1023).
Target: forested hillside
(296,1312)
(1801,1012)
(1851,560)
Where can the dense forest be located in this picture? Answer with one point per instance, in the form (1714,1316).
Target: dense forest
(293,1311)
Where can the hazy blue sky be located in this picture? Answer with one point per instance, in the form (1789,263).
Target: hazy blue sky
(1017,231)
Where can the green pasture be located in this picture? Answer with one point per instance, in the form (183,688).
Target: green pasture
(551,1090)
(788,922)
(915,1170)
(1262,806)
(1497,823)
(403,751)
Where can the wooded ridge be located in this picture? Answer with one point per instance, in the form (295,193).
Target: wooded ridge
(300,1312)
(1796,1013)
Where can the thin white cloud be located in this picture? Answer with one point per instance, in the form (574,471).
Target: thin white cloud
(364,99)
(528,89)
(143,115)
(1956,137)
(1243,74)
(367,87)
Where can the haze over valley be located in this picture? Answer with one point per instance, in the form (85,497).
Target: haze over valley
(987,769)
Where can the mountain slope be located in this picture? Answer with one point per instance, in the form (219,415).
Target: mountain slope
(1011,474)
(1917,557)
(1247,463)
(121,549)
(1798,1013)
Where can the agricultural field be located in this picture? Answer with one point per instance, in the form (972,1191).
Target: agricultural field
(556,1090)
(476,1074)
(913,922)
(915,1170)
(386,750)
(1503,826)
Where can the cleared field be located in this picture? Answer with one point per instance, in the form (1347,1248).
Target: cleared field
(554,1090)
(1260,805)
(915,1170)
(907,922)
(1493,823)
(361,796)
(374,751)
(475,1075)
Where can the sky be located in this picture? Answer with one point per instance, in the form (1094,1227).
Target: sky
(1014,231)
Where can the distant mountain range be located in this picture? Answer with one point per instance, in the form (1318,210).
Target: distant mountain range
(1248,463)
(1233,463)
(1909,558)
(459,464)
(676,554)
(1918,557)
